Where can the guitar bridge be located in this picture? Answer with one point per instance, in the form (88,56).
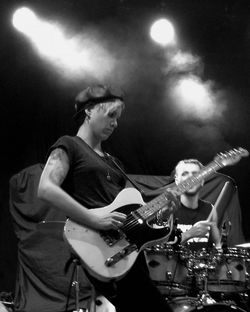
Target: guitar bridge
(120,255)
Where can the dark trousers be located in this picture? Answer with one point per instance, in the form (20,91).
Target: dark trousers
(135,292)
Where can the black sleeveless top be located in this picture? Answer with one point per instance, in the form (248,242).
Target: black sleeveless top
(92,180)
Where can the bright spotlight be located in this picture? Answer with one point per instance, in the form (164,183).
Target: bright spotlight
(162,31)
(194,98)
(24,20)
(193,91)
(79,55)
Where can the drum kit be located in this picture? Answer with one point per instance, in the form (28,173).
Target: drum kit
(205,280)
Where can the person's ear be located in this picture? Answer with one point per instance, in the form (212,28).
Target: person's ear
(88,113)
(176,179)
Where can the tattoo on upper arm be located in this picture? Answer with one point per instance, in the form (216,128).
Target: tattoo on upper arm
(59,165)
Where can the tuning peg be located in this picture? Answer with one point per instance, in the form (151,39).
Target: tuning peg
(242,151)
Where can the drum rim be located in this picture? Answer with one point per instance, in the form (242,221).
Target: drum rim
(166,249)
(199,305)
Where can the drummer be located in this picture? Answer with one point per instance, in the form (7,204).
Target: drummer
(197,219)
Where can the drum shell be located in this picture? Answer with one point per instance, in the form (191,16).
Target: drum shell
(168,268)
(227,271)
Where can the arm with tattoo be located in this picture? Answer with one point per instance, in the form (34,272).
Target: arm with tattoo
(58,166)
(49,188)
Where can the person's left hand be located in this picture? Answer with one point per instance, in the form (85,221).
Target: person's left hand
(172,204)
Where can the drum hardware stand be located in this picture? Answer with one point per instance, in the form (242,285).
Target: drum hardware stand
(75,284)
(243,301)
(75,281)
(205,297)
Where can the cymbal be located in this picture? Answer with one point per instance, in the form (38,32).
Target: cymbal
(245,245)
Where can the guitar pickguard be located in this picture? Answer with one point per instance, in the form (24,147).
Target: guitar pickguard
(135,230)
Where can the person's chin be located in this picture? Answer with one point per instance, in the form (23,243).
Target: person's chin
(105,136)
(192,192)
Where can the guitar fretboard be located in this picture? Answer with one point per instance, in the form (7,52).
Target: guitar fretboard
(150,209)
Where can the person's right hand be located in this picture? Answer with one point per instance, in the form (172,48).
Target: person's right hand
(107,220)
(200,229)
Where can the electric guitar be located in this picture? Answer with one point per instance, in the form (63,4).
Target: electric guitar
(109,255)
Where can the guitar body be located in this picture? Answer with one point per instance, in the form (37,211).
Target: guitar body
(94,247)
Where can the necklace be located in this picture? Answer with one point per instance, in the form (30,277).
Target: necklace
(102,155)
(106,159)
(108,176)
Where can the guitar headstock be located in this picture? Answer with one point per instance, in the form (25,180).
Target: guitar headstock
(231,157)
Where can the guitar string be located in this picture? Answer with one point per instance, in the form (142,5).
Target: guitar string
(130,224)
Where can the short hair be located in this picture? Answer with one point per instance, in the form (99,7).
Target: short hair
(188,161)
(93,95)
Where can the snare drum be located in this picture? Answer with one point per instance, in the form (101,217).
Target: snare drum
(168,268)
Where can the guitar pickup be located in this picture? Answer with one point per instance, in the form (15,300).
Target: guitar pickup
(120,255)
(111,237)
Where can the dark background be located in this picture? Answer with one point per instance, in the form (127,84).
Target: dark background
(36,98)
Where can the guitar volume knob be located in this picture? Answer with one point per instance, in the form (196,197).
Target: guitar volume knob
(109,261)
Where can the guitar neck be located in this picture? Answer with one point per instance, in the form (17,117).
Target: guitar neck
(204,173)
(150,209)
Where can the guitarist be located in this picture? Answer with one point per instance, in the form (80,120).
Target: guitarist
(80,176)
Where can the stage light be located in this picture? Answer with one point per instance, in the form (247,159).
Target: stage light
(81,54)
(194,98)
(24,20)
(193,91)
(162,31)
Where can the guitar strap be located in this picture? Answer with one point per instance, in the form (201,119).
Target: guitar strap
(124,174)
